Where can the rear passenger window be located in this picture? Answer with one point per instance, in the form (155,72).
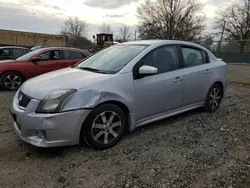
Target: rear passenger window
(72,54)
(192,57)
(165,59)
(205,57)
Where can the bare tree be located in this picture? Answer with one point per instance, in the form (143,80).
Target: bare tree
(106,28)
(170,19)
(234,21)
(207,41)
(74,28)
(124,33)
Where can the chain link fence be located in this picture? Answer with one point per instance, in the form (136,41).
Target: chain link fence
(230,51)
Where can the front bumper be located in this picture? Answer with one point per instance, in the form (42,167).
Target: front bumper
(47,130)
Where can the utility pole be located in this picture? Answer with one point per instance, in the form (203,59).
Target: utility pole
(221,38)
(135,35)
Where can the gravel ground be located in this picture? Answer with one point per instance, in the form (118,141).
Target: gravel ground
(195,149)
(239,73)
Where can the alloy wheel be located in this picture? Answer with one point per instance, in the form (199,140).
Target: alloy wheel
(215,98)
(12,82)
(106,127)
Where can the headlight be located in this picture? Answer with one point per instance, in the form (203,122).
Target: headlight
(54,101)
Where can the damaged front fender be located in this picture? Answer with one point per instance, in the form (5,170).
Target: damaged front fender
(90,99)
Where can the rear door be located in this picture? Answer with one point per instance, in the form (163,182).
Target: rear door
(70,58)
(196,75)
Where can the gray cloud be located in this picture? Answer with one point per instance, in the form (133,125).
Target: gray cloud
(41,3)
(56,7)
(20,19)
(114,15)
(108,4)
(38,21)
(31,2)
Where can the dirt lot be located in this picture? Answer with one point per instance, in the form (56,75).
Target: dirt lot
(194,149)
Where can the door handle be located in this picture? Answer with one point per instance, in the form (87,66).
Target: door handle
(177,79)
(208,71)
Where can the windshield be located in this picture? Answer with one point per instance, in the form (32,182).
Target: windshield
(112,59)
(29,55)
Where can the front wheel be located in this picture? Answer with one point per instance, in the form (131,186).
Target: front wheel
(214,98)
(11,80)
(104,127)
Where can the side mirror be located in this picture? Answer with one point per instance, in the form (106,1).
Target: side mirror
(147,70)
(36,59)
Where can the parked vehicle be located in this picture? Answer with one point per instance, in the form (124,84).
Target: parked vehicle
(40,61)
(36,47)
(120,88)
(12,52)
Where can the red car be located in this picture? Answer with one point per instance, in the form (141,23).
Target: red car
(40,61)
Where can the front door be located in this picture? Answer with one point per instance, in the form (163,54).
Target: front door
(48,62)
(159,93)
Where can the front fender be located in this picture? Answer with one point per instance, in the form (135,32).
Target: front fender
(91,98)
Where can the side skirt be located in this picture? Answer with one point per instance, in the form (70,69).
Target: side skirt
(165,115)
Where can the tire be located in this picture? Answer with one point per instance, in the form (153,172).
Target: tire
(214,98)
(11,80)
(104,127)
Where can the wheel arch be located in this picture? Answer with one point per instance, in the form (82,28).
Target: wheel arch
(120,104)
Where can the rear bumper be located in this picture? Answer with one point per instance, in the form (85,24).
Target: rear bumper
(48,130)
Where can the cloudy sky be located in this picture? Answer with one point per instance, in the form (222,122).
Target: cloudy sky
(47,16)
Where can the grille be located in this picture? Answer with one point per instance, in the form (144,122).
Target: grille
(23,100)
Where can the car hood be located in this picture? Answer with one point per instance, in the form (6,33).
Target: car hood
(69,78)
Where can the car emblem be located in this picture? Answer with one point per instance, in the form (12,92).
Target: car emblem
(20,97)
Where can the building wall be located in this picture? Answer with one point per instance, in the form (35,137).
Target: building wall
(28,39)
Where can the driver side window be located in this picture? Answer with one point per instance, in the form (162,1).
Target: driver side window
(50,55)
(44,56)
(165,59)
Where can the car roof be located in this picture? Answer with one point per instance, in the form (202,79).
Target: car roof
(19,47)
(63,48)
(161,42)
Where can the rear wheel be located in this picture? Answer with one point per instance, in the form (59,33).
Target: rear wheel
(104,127)
(11,80)
(214,98)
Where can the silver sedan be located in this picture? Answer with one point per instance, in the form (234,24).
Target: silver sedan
(119,88)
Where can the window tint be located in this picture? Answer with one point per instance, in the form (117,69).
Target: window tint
(51,55)
(164,58)
(205,57)
(192,57)
(19,52)
(84,55)
(5,53)
(68,54)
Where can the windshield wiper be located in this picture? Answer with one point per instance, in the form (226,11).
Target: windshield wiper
(92,70)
